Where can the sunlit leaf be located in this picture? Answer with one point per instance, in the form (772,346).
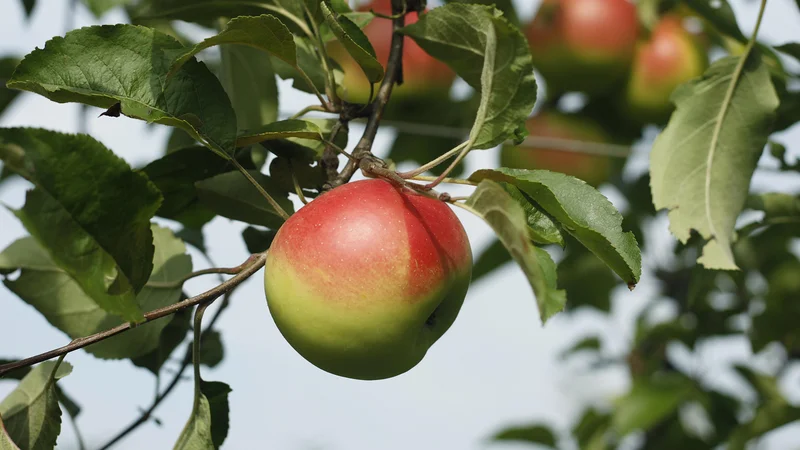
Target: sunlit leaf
(492,56)
(701,164)
(31,414)
(355,42)
(127,64)
(508,220)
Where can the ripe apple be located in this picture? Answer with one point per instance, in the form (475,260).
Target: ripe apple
(583,45)
(365,278)
(593,169)
(423,75)
(670,57)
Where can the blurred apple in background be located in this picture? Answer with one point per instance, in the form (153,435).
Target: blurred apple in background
(671,56)
(583,45)
(567,130)
(422,74)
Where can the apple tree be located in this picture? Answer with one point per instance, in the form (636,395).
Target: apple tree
(365,266)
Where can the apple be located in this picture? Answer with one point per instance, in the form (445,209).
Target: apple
(366,277)
(593,169)
(583,45)
(423,75)
(670,57)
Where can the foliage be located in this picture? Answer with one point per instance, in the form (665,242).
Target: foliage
(99,256)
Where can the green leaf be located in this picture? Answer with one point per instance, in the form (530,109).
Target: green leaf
(175,175)
(207,427)
(355,42)
(249,80)
(308,63)
(302,149)
(69,309)
(231,195)
(72,407)
(790,48)
(535,434)
(589,343)
(582,212)
(776,205)
(28,5)
(5,440)
(541,228)
(508,220)
(492,56)
(257,240)
(128,64)
(506,6)
(100,7)
(30,412)
(211,349)
(650,401)
(7,66)
(590,430)
(360,19)
(89,210)
(171,337)
(492,258)
(701,164)
(264,32)
(289,128)
(720,14)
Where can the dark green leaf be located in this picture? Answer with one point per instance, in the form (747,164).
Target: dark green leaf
(175,175)
(586,278)
(790,48)
(494,257)
(720,14)
(701,164)
(290,128)
(249,80)
(5,440)
(308,62)
(360,19)
(264,32)
(211,349)
(589,343)
(30,412)
(582,211)
(508,220)
(355,42)
(7,66)
(100,7)
(28,5)
(70,310)
(207,427)
(231,195)
(650,401)
(179,139)
(506,6)
(302,149)
(541,228)
(535,434)
(492,56)
(86,66)
(591,429)
(171,337)
(95,227)
(257,240)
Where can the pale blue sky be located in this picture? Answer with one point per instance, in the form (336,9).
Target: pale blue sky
(497,365)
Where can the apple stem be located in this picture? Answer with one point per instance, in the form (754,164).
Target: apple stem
(307,110)
(256,262)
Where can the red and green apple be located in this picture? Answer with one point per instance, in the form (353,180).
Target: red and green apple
(365,278)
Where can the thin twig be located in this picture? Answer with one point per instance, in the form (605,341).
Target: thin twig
(425,167)
(255,264)
(220,270)
(261,189)
(187,359)
(446,180)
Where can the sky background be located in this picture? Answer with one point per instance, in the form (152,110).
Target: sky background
(497,366)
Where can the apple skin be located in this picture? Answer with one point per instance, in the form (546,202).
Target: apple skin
(670,57)
(583,45)
(423,75)
(365,278)
(593,169)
